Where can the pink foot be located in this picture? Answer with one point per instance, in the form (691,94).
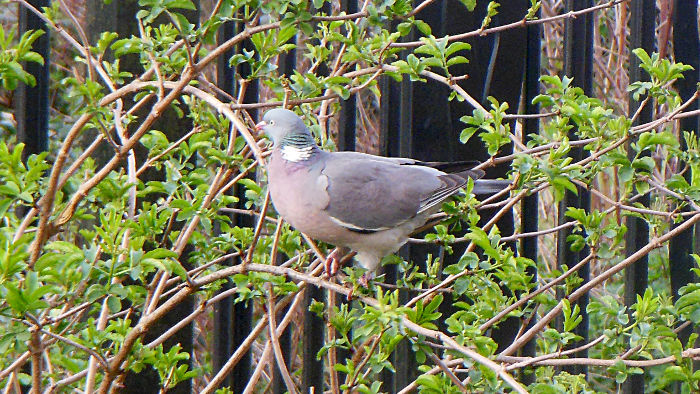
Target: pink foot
(337,258)
(333,262)
(364,280)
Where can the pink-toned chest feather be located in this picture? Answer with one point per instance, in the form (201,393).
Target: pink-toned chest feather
(298,192)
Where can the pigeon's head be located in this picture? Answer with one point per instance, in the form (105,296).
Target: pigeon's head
(279,123)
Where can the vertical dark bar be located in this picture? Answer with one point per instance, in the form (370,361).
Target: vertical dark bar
(32,102)
(242,321)
(313,338)
(642,23)
(401,144)
(496,68)
(222,341)
(529,206)
(687,50)
(389,129)
(314,334)
(287,61)
(222,347)
(347,125)
(120,16)
(403,359)
(396,124)
(285,341)
(242,317)
(287,64)
(531,126)
(233,321)
(578,63)
(347,121)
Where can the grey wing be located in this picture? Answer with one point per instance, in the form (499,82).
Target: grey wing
(373,195)
(448,167)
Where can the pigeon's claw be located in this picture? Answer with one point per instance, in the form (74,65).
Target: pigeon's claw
(364,280)
(332,263)
(336,259)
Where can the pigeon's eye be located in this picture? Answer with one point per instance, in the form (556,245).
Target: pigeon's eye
(272,123)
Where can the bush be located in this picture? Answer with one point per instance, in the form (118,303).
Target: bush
(102,238)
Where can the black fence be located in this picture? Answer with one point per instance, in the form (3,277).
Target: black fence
(417,120)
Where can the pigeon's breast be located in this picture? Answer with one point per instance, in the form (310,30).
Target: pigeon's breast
(298,192)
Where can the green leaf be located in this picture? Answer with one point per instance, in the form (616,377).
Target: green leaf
(642,55)
(114,304)
(183,4)
(457,46)
(457,60)
(644,163)
(14,298)
(674,373)
(160,253)
(466,134)
(423,27)
(652,139)
(470,4)
(32,57)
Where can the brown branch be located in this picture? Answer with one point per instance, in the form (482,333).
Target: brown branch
(71,342)
(236,356)
(35,348)
(330,338)
(447,371)
(46,202)
(279,357)
(419,7)
(257,330)
(592,361)
(264,358)
(350,381)
(471,247)
(258,228)
(189,318)
(518,24)
(545,357)
(320,282)
(21,360)
(523,300)
(45,229)
(602,277)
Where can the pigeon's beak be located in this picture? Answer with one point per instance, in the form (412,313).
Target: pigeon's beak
(259,127)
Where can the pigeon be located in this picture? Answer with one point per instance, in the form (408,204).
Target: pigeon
(362,202)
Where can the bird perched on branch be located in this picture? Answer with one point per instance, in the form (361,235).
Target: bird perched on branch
(369,204)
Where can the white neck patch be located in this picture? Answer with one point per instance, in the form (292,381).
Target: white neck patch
(294,154)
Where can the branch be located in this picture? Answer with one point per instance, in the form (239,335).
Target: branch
(519,24)
(602,277)
(272,325)
(36,349)
(320,282)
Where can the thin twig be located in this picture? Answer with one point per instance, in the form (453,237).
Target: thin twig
(272,325)
(605,275)
(518,24)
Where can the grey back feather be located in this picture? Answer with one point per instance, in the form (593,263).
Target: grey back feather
(373,193)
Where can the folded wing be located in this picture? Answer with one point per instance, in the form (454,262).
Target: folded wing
(377,194)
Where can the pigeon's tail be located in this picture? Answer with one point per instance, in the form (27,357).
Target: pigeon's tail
(489,186)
